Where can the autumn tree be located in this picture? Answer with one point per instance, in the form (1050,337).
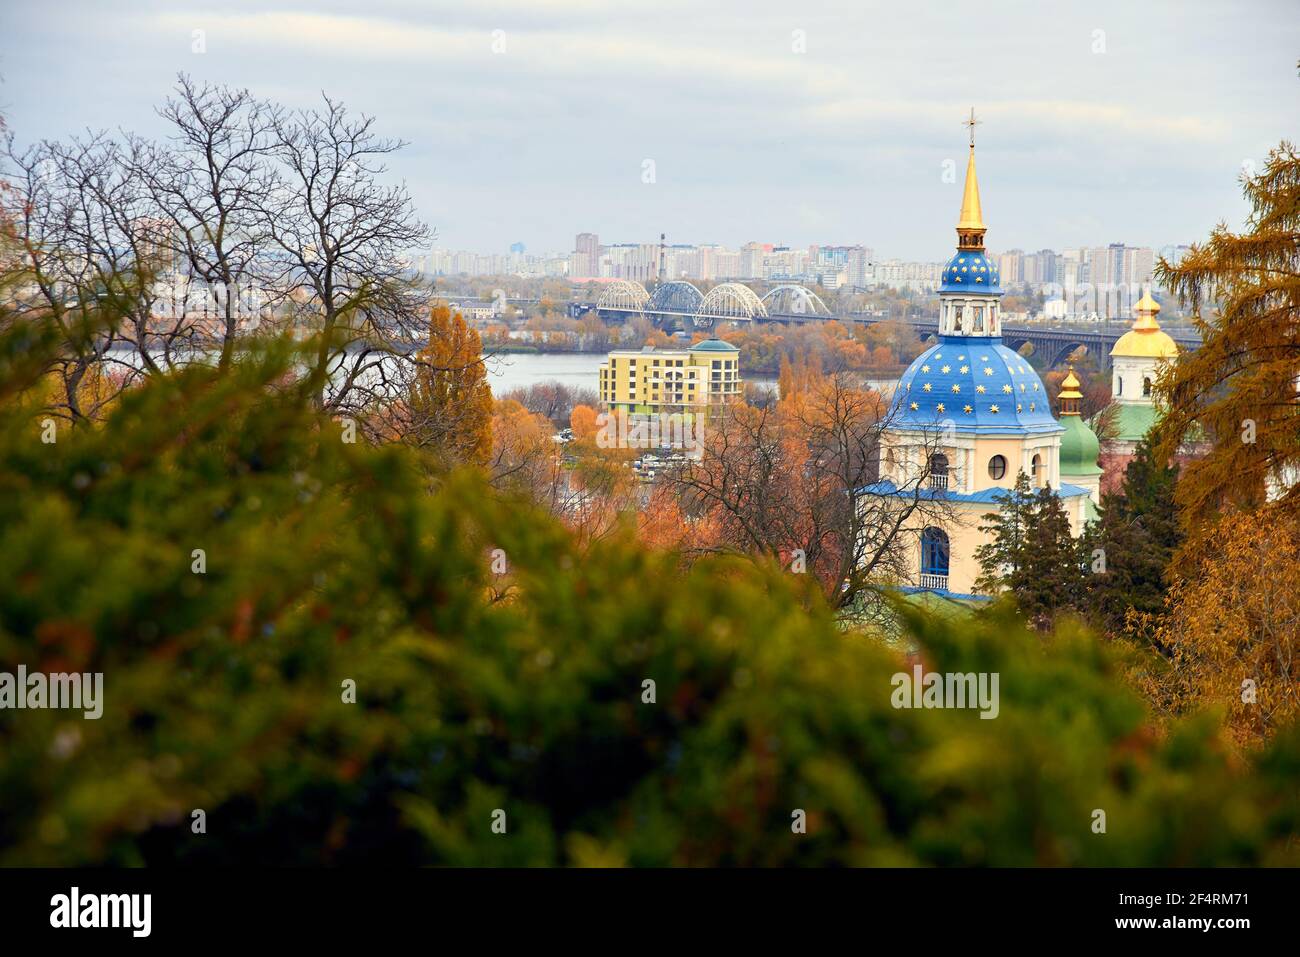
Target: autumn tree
(449,410)
(583,422)
(783,483)
(1231,628)
(1239,389)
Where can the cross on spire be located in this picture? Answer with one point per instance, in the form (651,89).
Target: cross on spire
(972,123)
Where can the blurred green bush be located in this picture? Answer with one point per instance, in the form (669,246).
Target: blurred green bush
(328,561)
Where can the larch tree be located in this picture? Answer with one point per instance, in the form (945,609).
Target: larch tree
(1239,389)
(1232,629)
(449,409)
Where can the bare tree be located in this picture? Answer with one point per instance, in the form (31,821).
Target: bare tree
(82,237)
(210,186)
(340,238)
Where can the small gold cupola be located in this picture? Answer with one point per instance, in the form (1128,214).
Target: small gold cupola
(1069,396)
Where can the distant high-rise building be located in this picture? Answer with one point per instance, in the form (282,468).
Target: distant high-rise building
(585,261)
(517,248)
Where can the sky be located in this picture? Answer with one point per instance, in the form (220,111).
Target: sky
(727,122)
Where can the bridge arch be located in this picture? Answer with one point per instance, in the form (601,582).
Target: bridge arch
(1061,354)
(732,300)
(794,300)
(676,296)
(623,294)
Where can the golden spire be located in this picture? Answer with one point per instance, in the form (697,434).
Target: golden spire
(970,225)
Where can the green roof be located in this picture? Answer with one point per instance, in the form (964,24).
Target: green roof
(1079,448)
(1134,420)
(714,345)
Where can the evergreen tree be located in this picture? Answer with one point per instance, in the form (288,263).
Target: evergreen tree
(1050,577)
(1032,555)
(1138,533)
(1000,558)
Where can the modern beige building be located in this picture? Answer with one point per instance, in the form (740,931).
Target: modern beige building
(648,381)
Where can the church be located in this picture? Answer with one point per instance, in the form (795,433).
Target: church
(968,415)
(1135,360)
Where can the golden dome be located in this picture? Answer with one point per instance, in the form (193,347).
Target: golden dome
(1070,386)
(1145,340)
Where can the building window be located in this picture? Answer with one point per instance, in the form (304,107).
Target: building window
(1146,386)
(934,559)
(997,467)
(1119,386)
(1036,470)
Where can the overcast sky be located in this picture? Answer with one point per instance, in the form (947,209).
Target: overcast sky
(1102,121)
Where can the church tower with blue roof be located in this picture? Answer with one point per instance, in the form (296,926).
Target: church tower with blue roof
(967,417)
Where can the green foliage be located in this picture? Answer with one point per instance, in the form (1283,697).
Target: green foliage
(1139,532)
(329,561)
(1032,554)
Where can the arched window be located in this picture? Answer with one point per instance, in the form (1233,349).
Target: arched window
(1146,386)
(938,470)
(1036,470)
(997,467)
(979,318)
(934,558)
(1119,386)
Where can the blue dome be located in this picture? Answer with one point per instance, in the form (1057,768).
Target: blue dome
(971,271)
(979,384)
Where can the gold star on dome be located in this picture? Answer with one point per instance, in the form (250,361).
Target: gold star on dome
(967,409)
(945,369)
(1007,388)
(915,406)
(925,368)
(961,358)
(994,408)
(956,387)
(1022,387)
(979,278)
(979,389)
(988,370)
(984,358)
(1031,407)
(964,268)
(1019,407)
(1035,386)
(964,369)
(939,407)
(926,386)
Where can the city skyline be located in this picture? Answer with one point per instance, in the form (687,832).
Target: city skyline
(809,126)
